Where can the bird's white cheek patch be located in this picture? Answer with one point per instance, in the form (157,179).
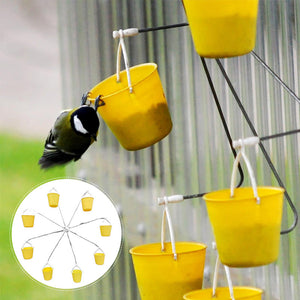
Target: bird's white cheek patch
(78,125)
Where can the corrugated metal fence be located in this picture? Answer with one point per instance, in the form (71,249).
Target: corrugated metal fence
(196,156)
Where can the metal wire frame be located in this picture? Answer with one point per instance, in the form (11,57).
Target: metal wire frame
(248,120)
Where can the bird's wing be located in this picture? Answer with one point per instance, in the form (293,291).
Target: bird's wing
(52,154)
(51,139)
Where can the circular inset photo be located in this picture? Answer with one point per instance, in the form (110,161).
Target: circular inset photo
(66,233)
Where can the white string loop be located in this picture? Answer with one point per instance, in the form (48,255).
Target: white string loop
(166,215)
(241,144)
(215,279)
(122,47)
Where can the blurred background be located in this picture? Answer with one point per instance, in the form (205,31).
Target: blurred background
(30,97)
(30,67)
(53,51)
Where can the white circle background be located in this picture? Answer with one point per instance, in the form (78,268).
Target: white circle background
(62,261)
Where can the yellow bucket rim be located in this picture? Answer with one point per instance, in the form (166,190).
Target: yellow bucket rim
(197,247)
(215,196)
(127,88)
(235,289)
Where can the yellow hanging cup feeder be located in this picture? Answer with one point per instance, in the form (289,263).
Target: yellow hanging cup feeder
(246,221)
(27,251)
(222,293)
(135,107)
(87,202)
(225,293)
(222,28)
(99,257)
(168,270)
(47,272)
(76,274)
(28,218)
(105,229)
(53,198)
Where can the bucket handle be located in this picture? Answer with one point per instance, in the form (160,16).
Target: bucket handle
(241,144)
(26,243)
(215,279)
(122,47)
(166,215)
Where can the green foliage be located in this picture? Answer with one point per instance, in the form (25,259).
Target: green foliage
(19,175)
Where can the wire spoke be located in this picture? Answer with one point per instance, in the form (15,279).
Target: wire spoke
(265,153)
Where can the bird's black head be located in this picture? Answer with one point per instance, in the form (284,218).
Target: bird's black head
(85,121)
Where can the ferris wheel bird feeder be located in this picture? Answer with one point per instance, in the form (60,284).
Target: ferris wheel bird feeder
(28,217)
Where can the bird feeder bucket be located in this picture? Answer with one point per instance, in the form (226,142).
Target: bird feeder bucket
(87,202)
(47,272)
(168,270)
(222,28)
(225,293)
(222,293)
(28,217)
(246,221)
(76,274)
(135,107)
(27,251)
(105,229)
(53,198)
(99,257)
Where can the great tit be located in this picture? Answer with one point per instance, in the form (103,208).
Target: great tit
(71,135)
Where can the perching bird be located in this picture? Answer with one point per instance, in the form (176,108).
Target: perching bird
(73,132)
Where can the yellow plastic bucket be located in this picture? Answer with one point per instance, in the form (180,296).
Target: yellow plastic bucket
(53,199)
(76,274)
(27,252)
(247,233)
(105,230)
(159,276)
(99,258)
(222,293)
(28,220)
(222,28)
(47,273)
(138,119)
(87,203)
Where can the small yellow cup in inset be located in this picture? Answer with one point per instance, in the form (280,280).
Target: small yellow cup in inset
(99,258)
(28,220)
(27,252)
(76,274)
(105,230)
(53,199)
(47,273)
(87,203)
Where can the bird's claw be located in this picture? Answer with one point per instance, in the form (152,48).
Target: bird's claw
(99,102)
(84,98)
